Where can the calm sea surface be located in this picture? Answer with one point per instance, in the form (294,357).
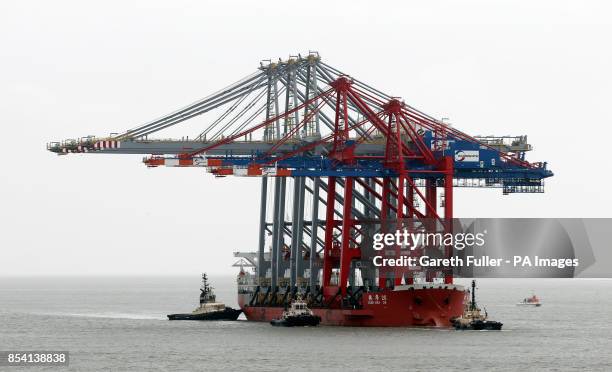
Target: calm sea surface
(119,324)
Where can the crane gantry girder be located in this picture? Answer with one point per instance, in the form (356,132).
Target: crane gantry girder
(321,166)
(306,78)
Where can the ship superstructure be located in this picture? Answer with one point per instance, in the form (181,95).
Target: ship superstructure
(208,299)
(339,161)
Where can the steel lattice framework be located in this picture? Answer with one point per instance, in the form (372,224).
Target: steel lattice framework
(378,161)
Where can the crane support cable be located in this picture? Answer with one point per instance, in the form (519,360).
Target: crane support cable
(213,101)
(224,91)
(188,115)
(241,112)
(224,115)
(238,116)
(261,125)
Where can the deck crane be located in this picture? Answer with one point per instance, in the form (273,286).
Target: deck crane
(361,159)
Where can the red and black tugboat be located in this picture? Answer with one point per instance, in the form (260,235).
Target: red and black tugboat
(209,308)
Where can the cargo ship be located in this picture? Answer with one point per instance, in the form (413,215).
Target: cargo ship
(339,162)
(428,304)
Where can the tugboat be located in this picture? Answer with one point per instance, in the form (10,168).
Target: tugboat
(530,301)
(209,309)
(473,319)
(298,315)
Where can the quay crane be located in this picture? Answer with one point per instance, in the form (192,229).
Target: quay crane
(358,162)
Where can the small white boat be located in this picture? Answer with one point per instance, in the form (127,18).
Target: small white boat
(530,301)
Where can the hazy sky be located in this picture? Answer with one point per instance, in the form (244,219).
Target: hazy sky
(70,69)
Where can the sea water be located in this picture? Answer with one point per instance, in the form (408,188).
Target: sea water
(120,324)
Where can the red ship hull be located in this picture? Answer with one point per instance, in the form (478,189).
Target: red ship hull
(405,306)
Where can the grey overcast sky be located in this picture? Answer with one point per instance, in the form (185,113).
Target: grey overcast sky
(74,68)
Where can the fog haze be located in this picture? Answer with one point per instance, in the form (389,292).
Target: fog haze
(71,69)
